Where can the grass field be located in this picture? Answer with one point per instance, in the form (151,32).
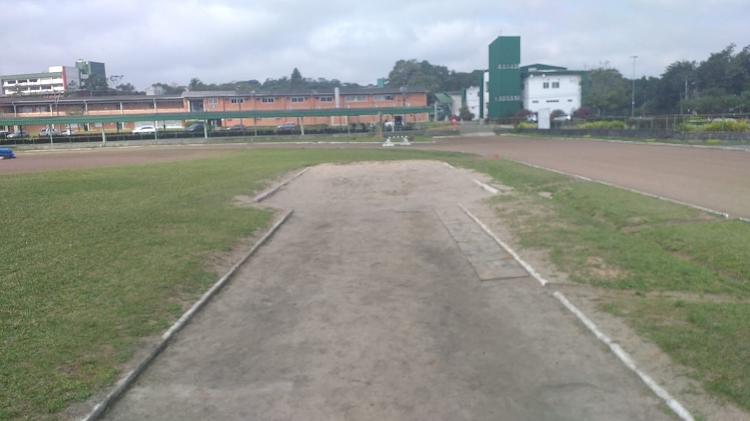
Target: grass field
(682,277)
(93,261)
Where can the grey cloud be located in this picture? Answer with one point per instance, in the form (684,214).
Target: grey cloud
(172,41)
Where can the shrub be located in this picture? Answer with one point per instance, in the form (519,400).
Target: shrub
(603,125)
(526,125)
(727,126)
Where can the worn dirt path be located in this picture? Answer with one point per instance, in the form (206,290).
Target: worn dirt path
(709,177)
(380,300)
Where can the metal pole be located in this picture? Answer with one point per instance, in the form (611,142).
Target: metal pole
(632,97)
(205,129)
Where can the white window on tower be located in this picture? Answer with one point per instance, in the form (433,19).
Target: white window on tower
(545,85)
(555,85)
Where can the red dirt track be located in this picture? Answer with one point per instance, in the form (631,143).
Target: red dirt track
(710,177)
(713,178)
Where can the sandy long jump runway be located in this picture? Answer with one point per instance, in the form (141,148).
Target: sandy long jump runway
(708,177)
(380,300)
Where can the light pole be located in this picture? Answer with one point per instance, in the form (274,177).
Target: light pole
(632,94)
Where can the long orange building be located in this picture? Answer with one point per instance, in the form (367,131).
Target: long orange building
(219,102)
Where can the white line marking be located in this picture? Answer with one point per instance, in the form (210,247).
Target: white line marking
(266,194)
(487,187)
(122,385)
(626,359)
(606,183)
(507,248)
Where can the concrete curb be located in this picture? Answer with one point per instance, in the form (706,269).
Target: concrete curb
(621,354)
(268,193)
(507,248)
(722,214)
(486,187)
(626,359)
(126,381)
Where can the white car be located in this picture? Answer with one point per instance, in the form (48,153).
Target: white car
(48,132)
(144,130)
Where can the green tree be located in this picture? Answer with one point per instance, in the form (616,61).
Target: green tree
(95,83)
(606,91)
(169,89)
(126,88)
(465,115)
(677,83)
(418,74)
(296,81)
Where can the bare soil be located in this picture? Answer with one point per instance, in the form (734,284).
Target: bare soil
(713,178)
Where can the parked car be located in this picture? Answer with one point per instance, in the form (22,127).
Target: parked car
(7,153)
(237,128)
(3,134)
(144,130)
(18,134)
(46,131)
(286,128)
(68,132)
(195,128)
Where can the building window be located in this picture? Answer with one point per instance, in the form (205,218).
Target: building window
(238,100)
(356,98)
(534,102)
(298,99)
(555,85)
(553,100)
(325,98)
(267,99)
(383,98)
(570,100)
(545,85)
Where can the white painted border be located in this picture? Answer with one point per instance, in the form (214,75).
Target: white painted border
(486,187)
(606,183)
(507,248)
(130,377)
(268,193)
(616,349)
(626,359)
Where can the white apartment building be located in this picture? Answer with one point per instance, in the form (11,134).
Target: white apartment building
(58,79)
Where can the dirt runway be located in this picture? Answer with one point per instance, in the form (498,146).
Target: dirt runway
(381,300)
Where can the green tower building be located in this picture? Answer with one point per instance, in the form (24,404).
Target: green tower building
(505,77)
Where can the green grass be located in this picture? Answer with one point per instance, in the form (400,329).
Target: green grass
(94,261)
(711,338)
(650,250)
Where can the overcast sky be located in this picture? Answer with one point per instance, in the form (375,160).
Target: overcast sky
(151,41)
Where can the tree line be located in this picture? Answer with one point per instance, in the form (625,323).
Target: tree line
(719,84)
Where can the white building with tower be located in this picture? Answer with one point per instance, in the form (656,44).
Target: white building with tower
(543,87)
(550,87)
